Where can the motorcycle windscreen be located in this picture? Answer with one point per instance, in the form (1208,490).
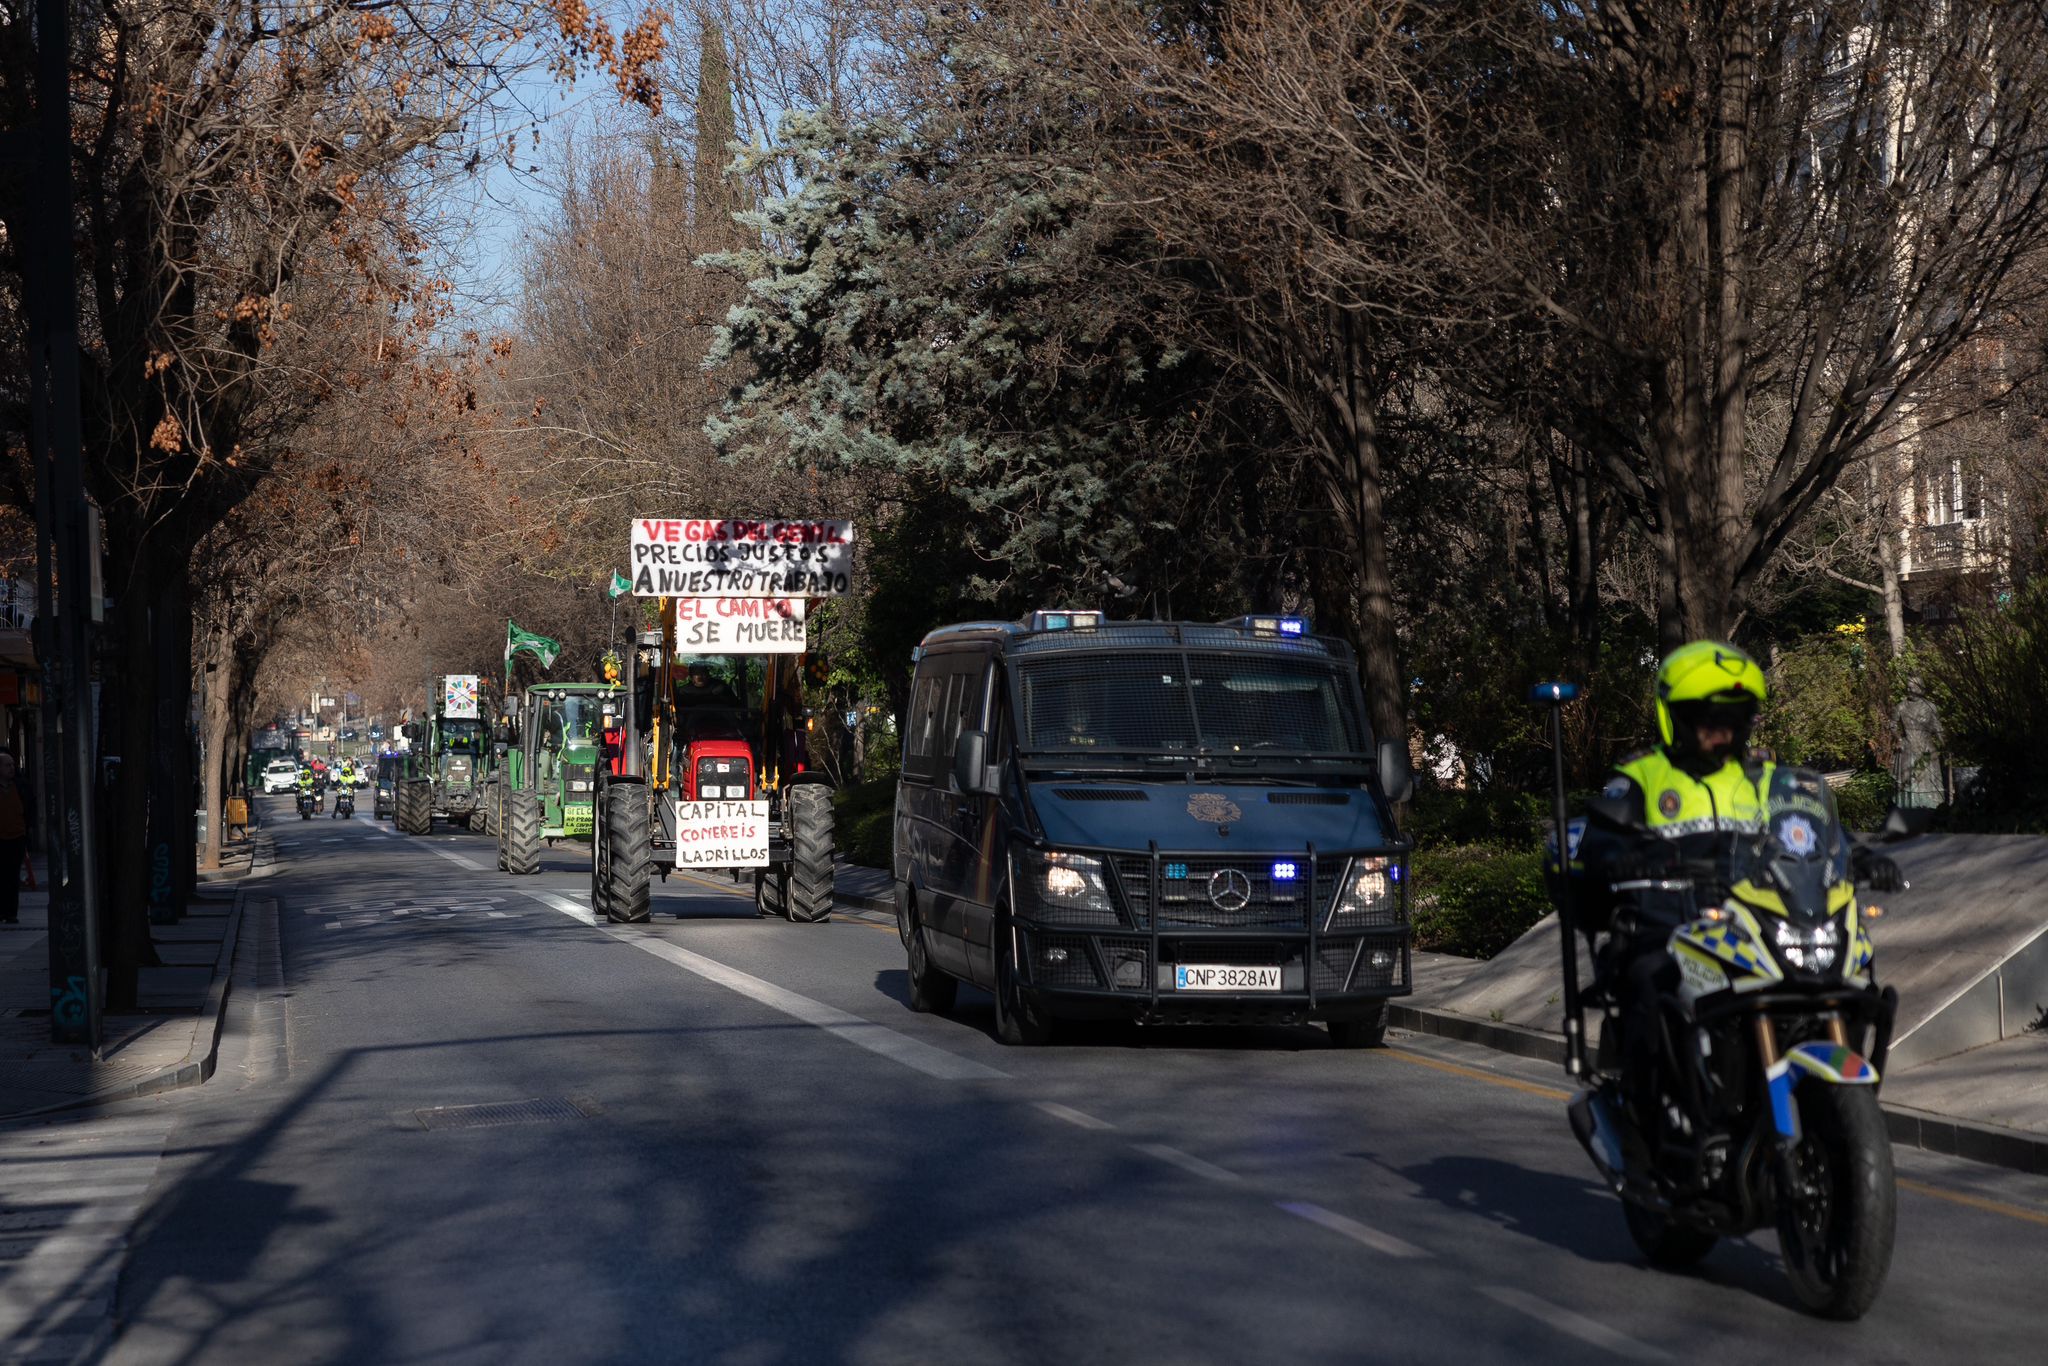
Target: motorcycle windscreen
(1804,851)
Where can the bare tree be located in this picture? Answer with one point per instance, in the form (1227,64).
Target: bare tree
(1317,177)
(1815,204)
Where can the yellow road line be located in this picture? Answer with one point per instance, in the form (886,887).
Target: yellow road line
(1976,1202)
(889,930)
(715,886)
(1492,1078)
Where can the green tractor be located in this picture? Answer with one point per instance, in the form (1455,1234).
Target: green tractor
(546,789)
(450,762)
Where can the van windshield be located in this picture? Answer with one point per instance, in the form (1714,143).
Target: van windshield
(1154,702)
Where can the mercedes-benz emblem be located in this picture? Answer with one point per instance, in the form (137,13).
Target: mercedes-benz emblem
(1229,890)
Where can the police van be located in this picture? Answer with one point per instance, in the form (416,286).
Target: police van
(1163,821)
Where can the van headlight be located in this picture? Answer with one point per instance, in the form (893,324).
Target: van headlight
(1067,886)
(1371,887)
(1807,948)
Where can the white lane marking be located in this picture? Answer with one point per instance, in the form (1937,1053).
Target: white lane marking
(1078,1118)
(496,915)
(454,857)
(555,901)
(1572,1325)
(1187,1162)
(919,1057)
(1352,1229)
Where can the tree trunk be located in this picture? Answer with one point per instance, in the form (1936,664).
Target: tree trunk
(1349,447)
(214,731)
(130,704)
(173,857)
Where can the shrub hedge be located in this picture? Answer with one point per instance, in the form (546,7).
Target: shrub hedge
(1476,899)
(865,821)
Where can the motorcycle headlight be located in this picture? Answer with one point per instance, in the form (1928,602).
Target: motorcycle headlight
(1807,948)
(1067,886)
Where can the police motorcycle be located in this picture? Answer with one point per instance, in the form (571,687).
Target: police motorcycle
(344,800)
(309,800)
(1771,1044)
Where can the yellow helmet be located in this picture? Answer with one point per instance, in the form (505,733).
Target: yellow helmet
(1705,671)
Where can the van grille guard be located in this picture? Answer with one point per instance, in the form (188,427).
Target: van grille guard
(1148,915)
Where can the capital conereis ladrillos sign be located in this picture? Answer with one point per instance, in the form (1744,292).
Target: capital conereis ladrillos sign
(737,557)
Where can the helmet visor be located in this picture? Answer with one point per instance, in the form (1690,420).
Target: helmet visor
(1716,728)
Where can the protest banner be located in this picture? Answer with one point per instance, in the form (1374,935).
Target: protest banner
(730,557)
(740,626)
(721,834)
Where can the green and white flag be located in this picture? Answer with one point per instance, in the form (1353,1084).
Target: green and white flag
(621,585)
(540,646)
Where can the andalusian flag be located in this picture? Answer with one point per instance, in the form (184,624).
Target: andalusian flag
(621,585)
(540,646)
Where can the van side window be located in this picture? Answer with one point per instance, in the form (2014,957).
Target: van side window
(960,685)
(922,724)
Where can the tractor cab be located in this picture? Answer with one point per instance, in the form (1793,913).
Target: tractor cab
(735,733)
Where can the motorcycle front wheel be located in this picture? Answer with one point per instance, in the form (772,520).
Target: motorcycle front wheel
(1835,1223)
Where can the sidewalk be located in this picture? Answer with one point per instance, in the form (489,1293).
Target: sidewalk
(168,1041)
(864,889)
(1989,1105)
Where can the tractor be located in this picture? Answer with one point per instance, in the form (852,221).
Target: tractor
(707,771)
(449,763)
(546,788)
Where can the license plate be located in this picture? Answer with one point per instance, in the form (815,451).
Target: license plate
(1224,977)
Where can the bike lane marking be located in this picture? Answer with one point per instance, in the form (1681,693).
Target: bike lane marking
(1187,1162)
(454,857)
(1352,1229)
(1080,1119)
(880,1039)
(1573,1325)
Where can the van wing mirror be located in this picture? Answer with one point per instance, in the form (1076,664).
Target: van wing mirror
(1397,779)
(970,764)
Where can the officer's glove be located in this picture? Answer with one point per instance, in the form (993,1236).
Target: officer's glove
(1875,871)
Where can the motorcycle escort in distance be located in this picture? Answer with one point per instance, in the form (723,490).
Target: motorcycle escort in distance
(309,802)
(344,802)
(1770,1049)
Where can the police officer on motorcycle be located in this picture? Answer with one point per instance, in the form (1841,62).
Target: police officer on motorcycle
(1672,810)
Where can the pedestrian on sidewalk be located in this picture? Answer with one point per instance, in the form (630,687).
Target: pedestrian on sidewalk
(13,840)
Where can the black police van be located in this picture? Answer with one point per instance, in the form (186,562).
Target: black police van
(1163,821)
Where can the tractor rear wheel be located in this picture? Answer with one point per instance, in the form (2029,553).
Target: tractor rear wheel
(521,837)
(415,814)
(810,852)
(623,867)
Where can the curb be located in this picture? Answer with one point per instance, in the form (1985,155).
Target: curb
(862,901)
(227,881)
(192,1070)
(1990,1144)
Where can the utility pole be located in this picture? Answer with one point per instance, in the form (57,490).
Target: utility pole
(67,549)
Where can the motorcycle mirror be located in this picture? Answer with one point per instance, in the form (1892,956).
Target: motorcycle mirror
(1905,822)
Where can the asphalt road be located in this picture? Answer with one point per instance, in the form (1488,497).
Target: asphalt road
(739,1145)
